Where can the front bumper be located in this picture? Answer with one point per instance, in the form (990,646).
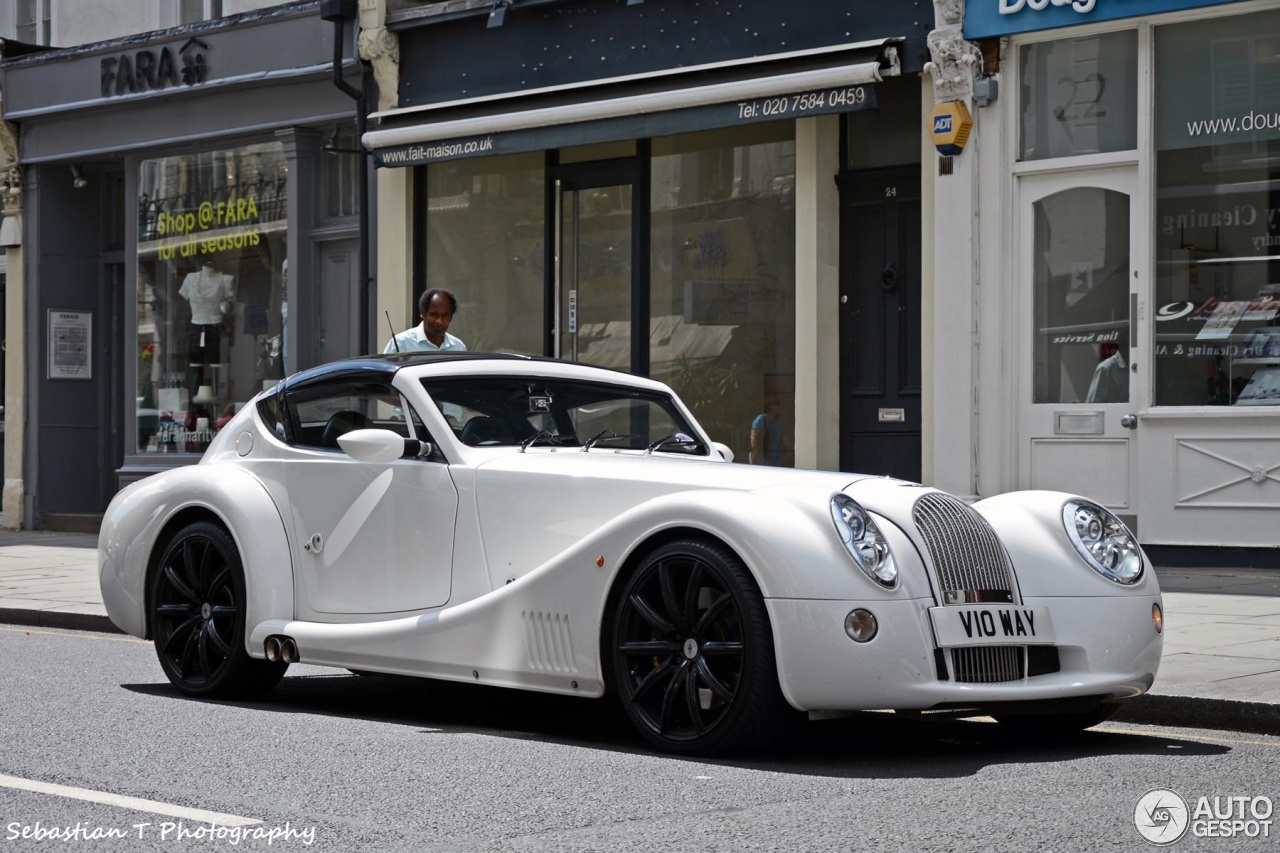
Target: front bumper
(1107,647)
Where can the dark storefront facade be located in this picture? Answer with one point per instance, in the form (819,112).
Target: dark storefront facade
(190,233)
(725,199)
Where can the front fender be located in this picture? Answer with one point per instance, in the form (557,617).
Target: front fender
(138,516)
(1029,523)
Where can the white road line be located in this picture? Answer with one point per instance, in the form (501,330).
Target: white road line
(134,803)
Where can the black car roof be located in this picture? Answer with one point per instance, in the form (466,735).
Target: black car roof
(385,365)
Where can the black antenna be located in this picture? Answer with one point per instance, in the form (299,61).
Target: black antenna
(394,342)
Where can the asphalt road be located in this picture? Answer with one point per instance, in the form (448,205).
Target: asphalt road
(351,763)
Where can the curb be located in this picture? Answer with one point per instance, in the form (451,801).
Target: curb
(1200,713)
(55,619)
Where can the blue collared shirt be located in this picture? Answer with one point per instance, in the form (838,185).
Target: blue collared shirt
(415,340)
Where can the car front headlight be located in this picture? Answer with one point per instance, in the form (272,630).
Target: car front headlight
(864,541)
(1103,541)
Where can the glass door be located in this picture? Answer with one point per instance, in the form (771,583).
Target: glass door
(594,269)
(1079,251)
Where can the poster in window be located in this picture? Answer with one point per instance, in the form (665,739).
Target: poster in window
(70,345)
(1222,321)
(1262,389)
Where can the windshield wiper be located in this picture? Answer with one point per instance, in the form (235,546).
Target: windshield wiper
(533,439)
(603,435)
(677,438)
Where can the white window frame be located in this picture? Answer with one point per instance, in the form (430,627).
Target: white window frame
(168,13)
(46,15)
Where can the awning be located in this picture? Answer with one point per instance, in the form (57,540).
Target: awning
(666,103)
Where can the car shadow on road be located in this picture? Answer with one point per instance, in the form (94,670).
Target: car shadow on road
(861,745)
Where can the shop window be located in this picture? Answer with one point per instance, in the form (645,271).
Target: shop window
(1081,297)
(485,221)
(1079,96)
(1217,223)
(211,318)
(722,273)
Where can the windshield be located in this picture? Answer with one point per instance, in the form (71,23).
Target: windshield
(486,412)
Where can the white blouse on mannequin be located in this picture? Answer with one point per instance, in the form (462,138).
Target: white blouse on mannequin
(206,289)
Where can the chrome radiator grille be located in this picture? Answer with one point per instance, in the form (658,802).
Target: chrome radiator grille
(971,564)
(988,664)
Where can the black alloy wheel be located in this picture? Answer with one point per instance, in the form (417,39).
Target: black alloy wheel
(693,654)
(198,618)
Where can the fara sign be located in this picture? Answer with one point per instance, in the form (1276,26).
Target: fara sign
(991,18)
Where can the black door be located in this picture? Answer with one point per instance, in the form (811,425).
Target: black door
(880,364)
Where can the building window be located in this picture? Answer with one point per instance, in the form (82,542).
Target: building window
(194,11)
(341,165)
(722,273)
(485,220)
(212,231)
(1079,96)
(33,19)
(1217,223)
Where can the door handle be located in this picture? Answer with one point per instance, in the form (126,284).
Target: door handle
(1129,422)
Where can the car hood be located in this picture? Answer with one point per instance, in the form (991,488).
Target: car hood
(532,506)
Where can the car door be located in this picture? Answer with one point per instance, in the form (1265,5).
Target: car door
(367,538)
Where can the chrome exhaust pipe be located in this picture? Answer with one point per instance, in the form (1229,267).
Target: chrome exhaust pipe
(288,650)
(273,649)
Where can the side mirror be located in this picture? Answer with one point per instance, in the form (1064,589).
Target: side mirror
(375,445)
(723,449)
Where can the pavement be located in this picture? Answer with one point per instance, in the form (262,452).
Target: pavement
(1221,664)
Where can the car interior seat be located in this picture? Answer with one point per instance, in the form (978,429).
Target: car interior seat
(340,423)
(484,430)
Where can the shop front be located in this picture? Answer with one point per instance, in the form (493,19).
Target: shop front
(1137,317)
(653,190)
(190,235)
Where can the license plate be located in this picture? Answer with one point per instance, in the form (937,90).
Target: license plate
(991,624)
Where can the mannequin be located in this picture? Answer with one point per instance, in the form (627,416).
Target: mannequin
(209,293)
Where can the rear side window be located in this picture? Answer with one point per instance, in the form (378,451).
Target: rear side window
(271,410)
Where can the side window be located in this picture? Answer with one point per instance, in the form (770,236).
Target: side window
(321,415)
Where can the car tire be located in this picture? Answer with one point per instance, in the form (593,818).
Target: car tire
(693,658)
(1050,727)
(198,618)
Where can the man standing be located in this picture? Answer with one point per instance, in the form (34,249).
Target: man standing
(766,436)
(436,307)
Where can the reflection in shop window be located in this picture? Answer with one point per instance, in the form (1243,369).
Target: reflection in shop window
(1217,224)
(485,234)
(1081,303)
(722,272)
(211,291)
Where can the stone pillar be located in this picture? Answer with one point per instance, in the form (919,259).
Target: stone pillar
(15,397)
(817,432)
(380,47)
(954,367)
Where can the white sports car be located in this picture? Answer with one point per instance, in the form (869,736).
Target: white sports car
(550,526)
